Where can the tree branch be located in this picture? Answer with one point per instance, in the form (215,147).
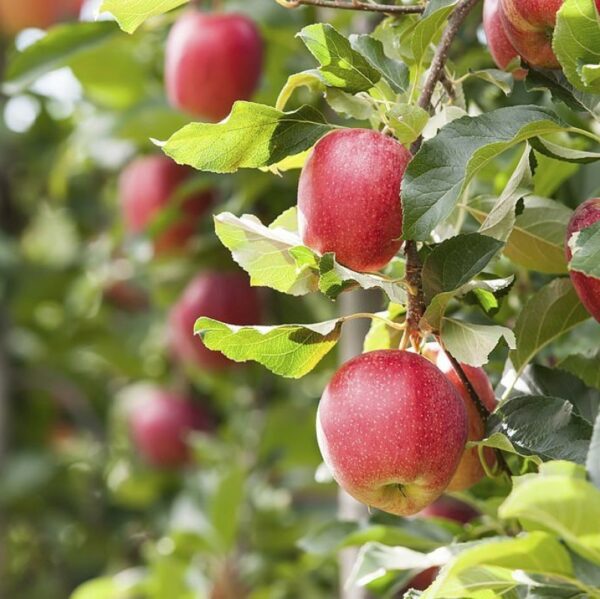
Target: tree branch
(416,302)
(391,9)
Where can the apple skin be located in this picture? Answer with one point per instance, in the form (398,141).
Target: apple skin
(16,15)
(225,296)
(146,187)
(529,25)
(587,288)
(502,51)
(392,430)
(159,425)
(211,61)
(470,470)
(451,509)
(421,581)
(349,198)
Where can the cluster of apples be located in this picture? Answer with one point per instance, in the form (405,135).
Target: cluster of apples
(522,28)
(211,61)
(20,14)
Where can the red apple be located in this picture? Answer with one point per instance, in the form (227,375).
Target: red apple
(349,197)
(502,51)
(469,470)
(529,25)
(451,509)
(587,288)
(159,426)
(392,430)
(127,296)
(147,186)
(225,296)
(212,60)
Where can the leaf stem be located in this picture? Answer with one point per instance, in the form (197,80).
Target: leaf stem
(354,5)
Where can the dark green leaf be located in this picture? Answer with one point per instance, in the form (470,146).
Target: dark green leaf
(456,261)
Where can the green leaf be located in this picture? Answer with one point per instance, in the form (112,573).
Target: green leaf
(485,290)
(552,311)
(538,233)
(491,564)
(576,43)
(375,559)
(473,343)
(559,502)
(336,278)
(341,66)
(547,427)
(130,14)
(407,121)
(382,336)
(585,248)
(395,72)
(252,136)
(454,262)
(355,107)
(56,49)
(585,367)
(439,173)
(225,506)
(501,79)
(501,219)
(290,350)
(309,79)
(429,27)
(561,89)
(105,588)
(592,461)
(273,256)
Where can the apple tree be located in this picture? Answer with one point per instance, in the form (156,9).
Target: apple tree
(439,157)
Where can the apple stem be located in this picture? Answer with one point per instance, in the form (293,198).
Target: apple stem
(354,5)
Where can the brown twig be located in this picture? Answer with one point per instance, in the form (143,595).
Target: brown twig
(481,408)
(354,5)
(416,302)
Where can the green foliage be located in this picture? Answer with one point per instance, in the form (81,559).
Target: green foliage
(585,248)
(130,14)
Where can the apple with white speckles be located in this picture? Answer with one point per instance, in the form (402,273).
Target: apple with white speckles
(529,25)
(587,288)
(392,430)
(349,198)
(470,470)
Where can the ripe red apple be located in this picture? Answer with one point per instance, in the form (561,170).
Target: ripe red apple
(147,186)
(529,25)
(502,51)
(225,296)
(391,429)
(212,60)
(451,509)
(349,197)
(159,426)
(469,470)
(20,14)
(587,288)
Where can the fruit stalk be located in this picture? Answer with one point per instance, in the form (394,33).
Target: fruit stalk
(354,5)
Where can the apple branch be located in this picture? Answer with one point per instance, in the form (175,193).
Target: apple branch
(416,301)
(354,5)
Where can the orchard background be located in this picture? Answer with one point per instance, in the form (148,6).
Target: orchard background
(139,460)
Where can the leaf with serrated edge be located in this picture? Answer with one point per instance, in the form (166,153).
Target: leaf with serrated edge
(290,350)
(584,367)
(341,66)
(252,136)
(267,253)
(537,237)
(473,343)
(130,14)
(552,311)
(455,261)
(439,173)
